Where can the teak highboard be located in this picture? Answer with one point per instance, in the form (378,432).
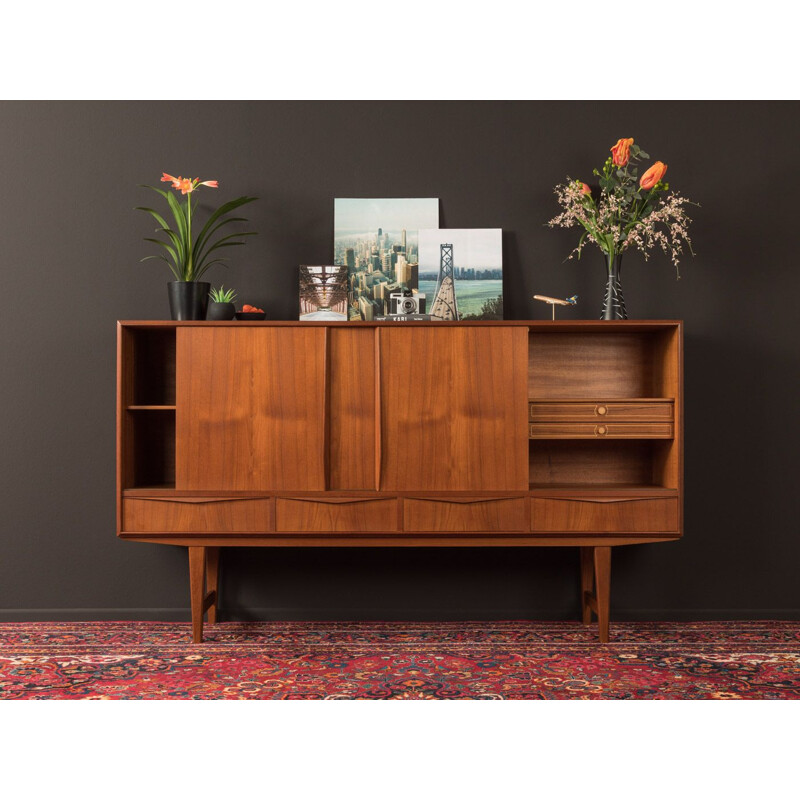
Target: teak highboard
(511,434)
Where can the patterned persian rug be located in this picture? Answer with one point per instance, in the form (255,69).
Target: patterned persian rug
(425,661)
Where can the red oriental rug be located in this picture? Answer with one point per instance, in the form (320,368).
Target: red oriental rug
(415,660)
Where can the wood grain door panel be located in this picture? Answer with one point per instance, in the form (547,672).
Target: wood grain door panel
(604,515)
(336,514)
(453,409)
(197,515)
(508,514)
(250,409)
(352,408)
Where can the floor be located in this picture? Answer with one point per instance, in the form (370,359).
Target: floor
(415,660)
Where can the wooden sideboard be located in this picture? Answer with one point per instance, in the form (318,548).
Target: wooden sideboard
(288,434)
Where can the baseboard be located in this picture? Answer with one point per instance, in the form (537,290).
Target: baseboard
(390,614)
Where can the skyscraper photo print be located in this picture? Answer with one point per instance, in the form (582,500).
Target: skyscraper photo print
(377,240)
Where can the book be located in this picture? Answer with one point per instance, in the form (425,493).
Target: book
(403,318)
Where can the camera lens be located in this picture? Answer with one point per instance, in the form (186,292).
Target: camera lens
(407,306)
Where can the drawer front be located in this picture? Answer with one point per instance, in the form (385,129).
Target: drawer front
(507,514)
(661,411)
(197,515)
(623,515)
(601,430)
(340,515)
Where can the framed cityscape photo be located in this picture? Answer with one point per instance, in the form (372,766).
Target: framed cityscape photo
(461,273)
(376,239)
(323,293)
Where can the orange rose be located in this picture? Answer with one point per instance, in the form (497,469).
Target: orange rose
(620,152)
(653,175)
(585,189)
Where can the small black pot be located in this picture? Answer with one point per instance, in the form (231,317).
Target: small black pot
(188,299)
(221,311)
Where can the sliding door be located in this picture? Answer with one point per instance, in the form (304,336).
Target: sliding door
(453,408)
(250,408)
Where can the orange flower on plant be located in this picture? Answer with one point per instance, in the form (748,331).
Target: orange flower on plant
(620,152)
(653,175)
(187,185)
(176,182)
(585,188)
(184,184)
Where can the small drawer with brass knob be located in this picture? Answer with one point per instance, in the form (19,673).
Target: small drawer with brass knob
(644,410)
(610,430)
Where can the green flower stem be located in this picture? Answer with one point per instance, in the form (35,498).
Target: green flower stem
(189,234)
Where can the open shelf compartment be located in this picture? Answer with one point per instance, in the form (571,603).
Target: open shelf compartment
(603,409)
(153,367)
(602,465)
(147,407)
(153,438)
(602,367)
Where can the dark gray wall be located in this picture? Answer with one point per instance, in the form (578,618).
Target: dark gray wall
(71,245)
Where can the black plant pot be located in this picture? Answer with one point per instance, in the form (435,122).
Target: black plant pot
(221,311)
(188,299)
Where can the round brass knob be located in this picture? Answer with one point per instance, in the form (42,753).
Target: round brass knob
(601,410)
(601,430)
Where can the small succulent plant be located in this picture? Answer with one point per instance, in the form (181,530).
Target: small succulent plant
(222,295)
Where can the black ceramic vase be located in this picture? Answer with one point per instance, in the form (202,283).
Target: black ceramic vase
(614,302)
(188,299)
(221,311)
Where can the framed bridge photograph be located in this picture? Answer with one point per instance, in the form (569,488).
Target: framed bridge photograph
(323,293)
(461,273)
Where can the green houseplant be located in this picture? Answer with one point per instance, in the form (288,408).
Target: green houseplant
(222,307)
(189,256)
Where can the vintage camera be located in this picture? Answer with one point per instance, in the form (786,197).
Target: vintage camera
(406,302)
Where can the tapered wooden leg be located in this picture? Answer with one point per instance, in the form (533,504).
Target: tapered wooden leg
(602,578)
(197,569)
(587,582)
(212,581)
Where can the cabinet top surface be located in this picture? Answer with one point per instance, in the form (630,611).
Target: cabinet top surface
(631,325)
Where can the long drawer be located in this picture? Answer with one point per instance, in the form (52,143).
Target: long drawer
(197,515)
(605,515)
(336,514)
(601,430)
(661,410)
(506,514)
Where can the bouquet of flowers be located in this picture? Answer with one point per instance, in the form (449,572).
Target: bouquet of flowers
(628,211)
